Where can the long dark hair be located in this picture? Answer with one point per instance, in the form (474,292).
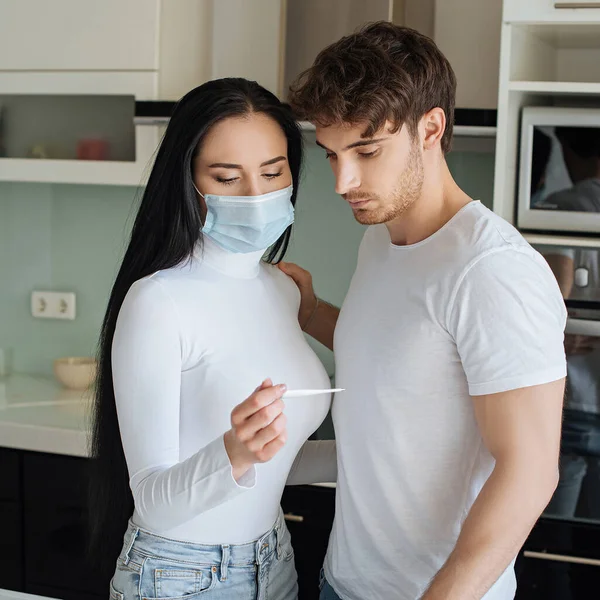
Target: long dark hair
(166,230)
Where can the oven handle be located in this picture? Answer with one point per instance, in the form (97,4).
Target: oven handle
(577,560)
(572,5)
(583,327)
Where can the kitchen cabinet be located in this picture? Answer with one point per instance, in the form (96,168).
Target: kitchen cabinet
(311,25)
(565,11)
(47,119)
(309,514)
(548,57)
(248,41)
(474,53)
(560,561)
(549,579)
(468,33)
(11,540)
(55,528)
(43,514)
(79,35)
(43,518)
(73,74)
(182,42)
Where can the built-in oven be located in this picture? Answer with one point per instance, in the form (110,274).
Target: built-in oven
(561,558)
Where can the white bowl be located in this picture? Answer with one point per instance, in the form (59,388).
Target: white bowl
(75,372)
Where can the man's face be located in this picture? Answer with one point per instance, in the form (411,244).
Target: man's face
(381,177)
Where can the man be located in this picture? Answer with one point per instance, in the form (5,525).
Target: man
(449,342)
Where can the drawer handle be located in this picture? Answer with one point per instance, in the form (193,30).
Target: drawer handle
(577,5)
(293,518)
(562,558)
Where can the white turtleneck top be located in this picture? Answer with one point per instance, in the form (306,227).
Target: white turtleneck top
(191,343)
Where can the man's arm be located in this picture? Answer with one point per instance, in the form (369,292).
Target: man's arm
(521,429)
(316,317)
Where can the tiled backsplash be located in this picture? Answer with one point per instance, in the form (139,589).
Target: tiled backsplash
(71,237)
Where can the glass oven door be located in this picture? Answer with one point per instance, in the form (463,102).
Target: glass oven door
(561,557)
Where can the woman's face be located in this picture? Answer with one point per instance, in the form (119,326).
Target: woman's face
(243,156)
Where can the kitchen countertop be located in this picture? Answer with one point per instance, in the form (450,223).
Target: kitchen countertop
(38,414)
(10,595)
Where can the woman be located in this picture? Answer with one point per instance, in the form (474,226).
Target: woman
(195,320)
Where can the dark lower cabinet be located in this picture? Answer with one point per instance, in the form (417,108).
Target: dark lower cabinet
(556,579)
(11,521)
(560,561)
(43,525)
(55,528)
(309,514)
(11,546)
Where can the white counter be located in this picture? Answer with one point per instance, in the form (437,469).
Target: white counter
(10,595)
(37,413)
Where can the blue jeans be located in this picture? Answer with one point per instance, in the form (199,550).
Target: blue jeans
(151,567)
(327,592)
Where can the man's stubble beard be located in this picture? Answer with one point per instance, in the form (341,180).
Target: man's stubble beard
(406,192)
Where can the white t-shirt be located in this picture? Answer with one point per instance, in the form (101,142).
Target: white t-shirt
(190,344)
(471,310)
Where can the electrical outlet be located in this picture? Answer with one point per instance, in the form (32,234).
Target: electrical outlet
(53,305)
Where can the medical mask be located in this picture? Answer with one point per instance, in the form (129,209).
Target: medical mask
(243,224)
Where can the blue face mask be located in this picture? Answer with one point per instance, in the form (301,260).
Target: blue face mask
(243,224)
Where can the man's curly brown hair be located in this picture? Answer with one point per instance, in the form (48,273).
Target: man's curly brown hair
(382,72)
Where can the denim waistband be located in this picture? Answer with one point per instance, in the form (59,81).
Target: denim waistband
(149,544)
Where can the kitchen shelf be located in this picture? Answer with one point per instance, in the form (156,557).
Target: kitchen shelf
(95,172)
(72,127)
(474,131)
(555,87)
(562,240)
(459,130)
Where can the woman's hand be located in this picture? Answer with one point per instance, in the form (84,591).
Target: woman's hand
(258,428)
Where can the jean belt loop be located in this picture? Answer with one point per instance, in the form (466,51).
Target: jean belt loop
(129,546)
(260,547)
(225,553)
(277,538)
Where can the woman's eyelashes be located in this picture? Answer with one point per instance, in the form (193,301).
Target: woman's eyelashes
(272,175)
(232,180)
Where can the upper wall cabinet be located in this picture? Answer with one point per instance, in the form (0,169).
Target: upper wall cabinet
(468,33)
(311,25)
(248,40)
(474,53)
(273,41)
(79,35)
(560,11)
(169,38)
(72,74)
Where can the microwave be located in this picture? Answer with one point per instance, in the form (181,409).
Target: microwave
(559,170)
